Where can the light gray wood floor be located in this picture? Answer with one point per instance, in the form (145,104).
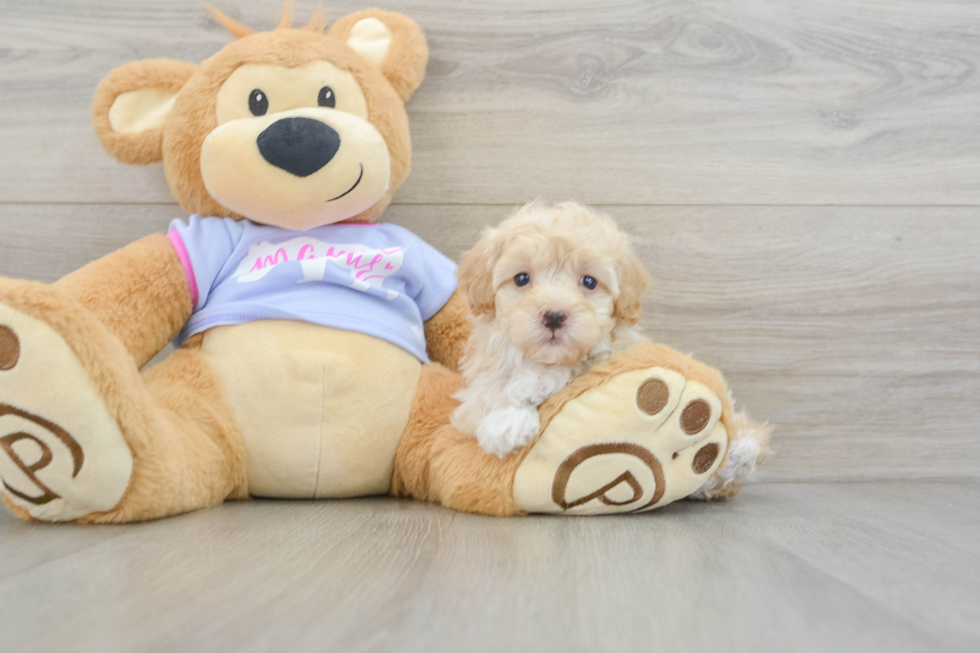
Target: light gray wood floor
(784,567)
(802,178)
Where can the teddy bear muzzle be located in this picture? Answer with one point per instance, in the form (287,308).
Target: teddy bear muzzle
(297,169)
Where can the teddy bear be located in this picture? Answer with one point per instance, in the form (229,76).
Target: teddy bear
(317,346)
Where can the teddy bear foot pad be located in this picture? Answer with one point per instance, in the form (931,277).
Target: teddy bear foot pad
(658,439)
(62,456)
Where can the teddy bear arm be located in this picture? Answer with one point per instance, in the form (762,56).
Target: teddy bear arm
(447,331)
(140,293)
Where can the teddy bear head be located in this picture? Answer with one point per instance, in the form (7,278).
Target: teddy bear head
(295,128)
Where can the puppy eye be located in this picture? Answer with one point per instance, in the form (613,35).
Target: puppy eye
(522,279)
(589,282)
(258,103)
(326,98)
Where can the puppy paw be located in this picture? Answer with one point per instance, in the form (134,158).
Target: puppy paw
(508,429)
(748,449)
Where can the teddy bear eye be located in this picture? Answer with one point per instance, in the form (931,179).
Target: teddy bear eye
(326,98)
(258,103)
(589,282)
(522,279)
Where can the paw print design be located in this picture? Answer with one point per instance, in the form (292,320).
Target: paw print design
(641,440)
(61,455)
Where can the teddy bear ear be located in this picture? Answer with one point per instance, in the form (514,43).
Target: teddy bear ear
(392,42)
(131,104)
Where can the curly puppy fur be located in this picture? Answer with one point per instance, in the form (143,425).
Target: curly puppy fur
(555,289)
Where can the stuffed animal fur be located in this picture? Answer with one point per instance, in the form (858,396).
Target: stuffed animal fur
(271,133)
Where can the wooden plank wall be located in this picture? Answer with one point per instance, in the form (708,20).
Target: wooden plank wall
(801,177)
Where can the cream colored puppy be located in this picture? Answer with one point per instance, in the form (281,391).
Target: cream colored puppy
(554,290)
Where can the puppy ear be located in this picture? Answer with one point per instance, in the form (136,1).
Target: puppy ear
(392,42)
(131,104)
(633,282)
(475,275)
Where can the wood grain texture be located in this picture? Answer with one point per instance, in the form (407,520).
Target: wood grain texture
(829,567)
(855,330)
(632,102)
(733,141)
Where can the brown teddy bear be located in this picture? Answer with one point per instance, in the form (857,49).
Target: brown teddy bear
(317,346)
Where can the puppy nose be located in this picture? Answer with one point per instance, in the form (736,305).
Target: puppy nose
(554,320)
(298,145)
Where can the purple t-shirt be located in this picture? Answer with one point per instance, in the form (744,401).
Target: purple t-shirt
(378,279)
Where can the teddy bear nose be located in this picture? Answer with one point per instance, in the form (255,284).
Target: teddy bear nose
(299,145)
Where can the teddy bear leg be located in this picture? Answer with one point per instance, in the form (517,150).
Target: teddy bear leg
(85,437)
(435,462)
(648,428)
(637,433)
(193,455)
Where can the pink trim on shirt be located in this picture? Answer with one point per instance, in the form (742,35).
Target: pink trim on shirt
(185,260)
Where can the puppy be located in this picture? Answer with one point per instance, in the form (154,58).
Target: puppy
(554,290)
